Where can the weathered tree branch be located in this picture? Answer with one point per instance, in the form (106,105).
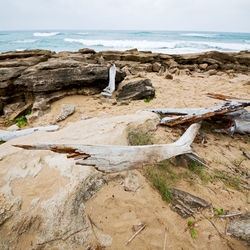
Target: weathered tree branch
(195,115)
(110,159)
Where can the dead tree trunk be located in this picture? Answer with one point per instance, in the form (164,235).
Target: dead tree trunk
(110,159)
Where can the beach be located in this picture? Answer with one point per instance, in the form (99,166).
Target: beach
(42,81)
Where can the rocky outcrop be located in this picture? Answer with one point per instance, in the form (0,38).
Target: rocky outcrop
(30,75)
(136,90)
(43,195)
(41,75)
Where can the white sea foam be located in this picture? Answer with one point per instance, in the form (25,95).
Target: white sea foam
(161,46)
(207,35)
(83,33)
(46,33)
(26,41)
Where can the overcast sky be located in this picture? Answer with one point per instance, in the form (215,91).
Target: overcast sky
(192,15)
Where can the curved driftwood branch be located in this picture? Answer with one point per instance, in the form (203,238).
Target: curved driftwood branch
(112,159)
(8,135)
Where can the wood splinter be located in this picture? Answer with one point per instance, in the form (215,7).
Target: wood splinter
(136,233)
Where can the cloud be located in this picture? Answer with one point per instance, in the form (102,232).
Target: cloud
(213,15)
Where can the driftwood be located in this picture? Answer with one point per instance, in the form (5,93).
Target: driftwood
(8,135)
(110,159)
(198,114)
(186,204)
(136,233)
(108,91)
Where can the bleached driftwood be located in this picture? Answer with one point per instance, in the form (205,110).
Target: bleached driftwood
(110,159)
(8,135)
(195,115)
(108,91)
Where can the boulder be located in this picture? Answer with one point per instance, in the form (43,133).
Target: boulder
(136,90)
(240,228)
(58,74)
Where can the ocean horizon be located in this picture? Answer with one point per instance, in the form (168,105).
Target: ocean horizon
(169,42)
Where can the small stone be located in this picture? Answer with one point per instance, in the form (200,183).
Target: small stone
(203,66)
(212,72)
(124,102)
(132,182)
(156,67)
(32,117)
(66,111)
(85,117)
(168,76)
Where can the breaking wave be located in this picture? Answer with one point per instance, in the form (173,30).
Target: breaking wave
(26,41)
(161,46)
(199,35)
(46,33)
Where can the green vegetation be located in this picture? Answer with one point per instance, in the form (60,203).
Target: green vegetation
(191,228)
(136,137)
(159,182)
(229,180)
(219,212)
(190,223)
(147,99)
(193,234)
(22,120)
(2,142)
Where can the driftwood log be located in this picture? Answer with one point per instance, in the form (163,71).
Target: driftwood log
(198,114)
(110,159)
(8,135)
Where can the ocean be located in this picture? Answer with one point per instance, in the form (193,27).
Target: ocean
(169,42)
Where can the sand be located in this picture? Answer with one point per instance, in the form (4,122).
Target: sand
(117,211)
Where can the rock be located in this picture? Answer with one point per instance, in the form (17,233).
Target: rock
(211,72)
(156,67)
(186,204)
(240,228)
(33,116)
(66,111)
(124,102)
(86,51)
(246,83)
(11,108)
(136,90)
(203,66)
(168,76)
(13,128)
(57,74)
(161,71)
(131,182)
(132,50)
(213,66)
(85,117)
(126,70)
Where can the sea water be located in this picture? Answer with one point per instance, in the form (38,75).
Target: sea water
(170,42)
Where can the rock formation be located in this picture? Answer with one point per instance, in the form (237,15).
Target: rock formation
(40,77)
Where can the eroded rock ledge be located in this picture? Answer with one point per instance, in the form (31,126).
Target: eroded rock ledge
(30,77)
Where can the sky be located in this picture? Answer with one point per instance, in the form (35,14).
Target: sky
(184,15)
